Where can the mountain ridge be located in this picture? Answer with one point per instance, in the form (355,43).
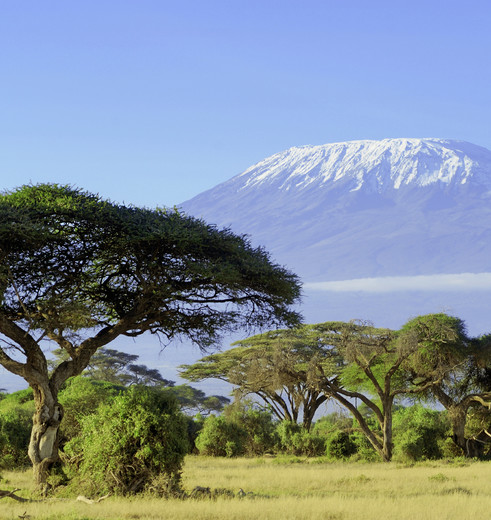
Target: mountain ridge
(391,160)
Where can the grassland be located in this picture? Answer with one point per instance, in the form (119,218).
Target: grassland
(285,489)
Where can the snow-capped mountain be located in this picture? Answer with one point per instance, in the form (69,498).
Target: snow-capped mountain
(375,166)
(395,207)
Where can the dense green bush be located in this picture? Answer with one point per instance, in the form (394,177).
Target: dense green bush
(15,431)
(221,438)
(137,442)
(340,445)
(258,423)
(295,440)
(80,397)
(16,411)
(337,429)
(419,433)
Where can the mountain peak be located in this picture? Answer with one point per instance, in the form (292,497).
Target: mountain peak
(372,165)
(363,208)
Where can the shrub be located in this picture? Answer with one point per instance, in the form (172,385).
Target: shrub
(419,433)
(340,445)
(127,446)
(295,440)
(81,397)
(16,412)
(221,438)
(258,424)
(15,431)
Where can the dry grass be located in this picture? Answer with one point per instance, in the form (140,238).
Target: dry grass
(436,491)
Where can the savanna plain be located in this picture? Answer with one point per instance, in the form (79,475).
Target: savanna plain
(288,488)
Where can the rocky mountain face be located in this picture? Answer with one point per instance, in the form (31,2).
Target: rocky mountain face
(363,208)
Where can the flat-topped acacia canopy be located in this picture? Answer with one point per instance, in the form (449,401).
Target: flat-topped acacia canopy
(80,271)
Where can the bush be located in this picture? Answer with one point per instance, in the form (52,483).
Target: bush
(16,412)
(221,438)
(140,439)
(258,424)
(295,440)
(419,433)
(340,445)
(15,432)
(81,397)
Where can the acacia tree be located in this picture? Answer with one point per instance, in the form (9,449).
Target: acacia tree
(461,376)
(114,366)
(275,366)
(77,272)
(374,368)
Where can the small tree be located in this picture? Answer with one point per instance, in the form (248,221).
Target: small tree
(120,368)
(78,272)
(194,401)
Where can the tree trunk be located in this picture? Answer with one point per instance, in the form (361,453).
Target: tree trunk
(43,445)
(458,418)
(308,417)
(387,432)
(457,414)
(377,444)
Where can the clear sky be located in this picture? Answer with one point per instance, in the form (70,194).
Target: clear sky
(151,102)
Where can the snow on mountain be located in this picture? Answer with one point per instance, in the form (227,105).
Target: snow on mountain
(395,207)
(373,165)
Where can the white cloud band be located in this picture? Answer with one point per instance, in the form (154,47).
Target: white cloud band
(436,282)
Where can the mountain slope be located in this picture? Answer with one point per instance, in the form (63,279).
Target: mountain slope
(363,208)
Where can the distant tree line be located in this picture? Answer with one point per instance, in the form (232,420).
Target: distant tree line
(125,425)
(370,372)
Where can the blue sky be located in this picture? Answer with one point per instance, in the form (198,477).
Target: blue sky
(152,102)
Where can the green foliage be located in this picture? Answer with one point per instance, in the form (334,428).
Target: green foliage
(258,424)
(277,367)
(438,343)
(343,438)
(221,438)
(364,449)
(80,398)
(120,368)
(16,411)
(15,430)
(82,262)
(340,445)
(138,439)
(419,433)
(296,440)
(21,397)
